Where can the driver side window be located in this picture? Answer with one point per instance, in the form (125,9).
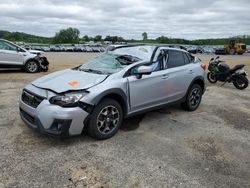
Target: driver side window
(7,46)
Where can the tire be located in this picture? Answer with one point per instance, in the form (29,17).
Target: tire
(211,78)
(45,68)
(240,82)
(232,51)
(106,119)
(193,98)
(31,66)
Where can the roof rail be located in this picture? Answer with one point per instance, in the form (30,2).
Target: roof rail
(175,46)
(156,45)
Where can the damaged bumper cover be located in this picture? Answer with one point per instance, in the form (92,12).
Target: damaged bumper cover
(44,63)
(40,115)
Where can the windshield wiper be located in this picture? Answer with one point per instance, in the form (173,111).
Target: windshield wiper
(92,70)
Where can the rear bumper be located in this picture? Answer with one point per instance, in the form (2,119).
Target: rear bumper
(52,119)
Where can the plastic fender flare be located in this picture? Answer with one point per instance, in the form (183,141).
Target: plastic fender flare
(117,92)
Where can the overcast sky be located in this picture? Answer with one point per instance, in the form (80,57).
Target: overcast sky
(128,18)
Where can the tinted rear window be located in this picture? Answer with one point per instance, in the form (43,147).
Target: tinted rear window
(175,59)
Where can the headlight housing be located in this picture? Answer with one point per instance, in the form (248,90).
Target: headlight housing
(67,100)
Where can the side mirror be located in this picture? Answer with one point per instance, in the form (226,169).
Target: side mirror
(143,70)
(18,49)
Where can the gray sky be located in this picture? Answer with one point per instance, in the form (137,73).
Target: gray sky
(128,18)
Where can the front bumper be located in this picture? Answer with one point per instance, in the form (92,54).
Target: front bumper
(52,119)
(44,63)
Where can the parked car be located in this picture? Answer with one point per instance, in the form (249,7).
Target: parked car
(14,56)
(220,51)
(88,49)
(96,96)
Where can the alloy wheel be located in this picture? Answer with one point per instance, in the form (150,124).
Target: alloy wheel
(195,97)
(32,66)
(108,119)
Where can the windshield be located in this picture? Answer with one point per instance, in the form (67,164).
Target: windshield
(104,64)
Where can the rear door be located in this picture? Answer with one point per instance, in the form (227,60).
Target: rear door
(9,54)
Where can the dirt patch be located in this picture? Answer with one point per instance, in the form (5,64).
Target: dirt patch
(237,118)
(218,160)
(85,176)
(2,107)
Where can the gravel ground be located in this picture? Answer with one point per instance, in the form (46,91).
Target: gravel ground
(165,148)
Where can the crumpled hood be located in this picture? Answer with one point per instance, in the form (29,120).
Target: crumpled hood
(68,80)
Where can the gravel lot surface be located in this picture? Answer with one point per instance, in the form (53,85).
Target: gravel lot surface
(165,148)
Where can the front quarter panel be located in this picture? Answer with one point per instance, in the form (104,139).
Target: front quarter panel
(28,56)
(114,84)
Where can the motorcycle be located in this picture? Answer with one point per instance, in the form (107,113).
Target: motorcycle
(220,71)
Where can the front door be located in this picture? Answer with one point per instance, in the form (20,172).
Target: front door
(9,54)
(148,91)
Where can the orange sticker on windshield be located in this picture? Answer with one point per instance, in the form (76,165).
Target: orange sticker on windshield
(74,83)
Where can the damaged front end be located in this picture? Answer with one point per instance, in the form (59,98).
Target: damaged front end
(44,63)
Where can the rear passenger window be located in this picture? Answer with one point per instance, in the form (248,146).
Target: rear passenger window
(175,59)
(186,59)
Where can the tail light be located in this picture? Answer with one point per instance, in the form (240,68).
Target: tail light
(204,67)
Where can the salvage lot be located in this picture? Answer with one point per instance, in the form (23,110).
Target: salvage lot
(166,148)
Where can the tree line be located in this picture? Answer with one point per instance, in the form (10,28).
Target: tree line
(72,36)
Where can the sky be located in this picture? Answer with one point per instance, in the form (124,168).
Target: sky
(190,19)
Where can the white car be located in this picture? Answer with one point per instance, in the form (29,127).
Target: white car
(14,56)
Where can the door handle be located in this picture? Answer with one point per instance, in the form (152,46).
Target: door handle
(165,76)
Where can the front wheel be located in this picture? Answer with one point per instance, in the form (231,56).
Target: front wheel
(31,66)
(240,82)
(106,119)
(211,77)
(193,98)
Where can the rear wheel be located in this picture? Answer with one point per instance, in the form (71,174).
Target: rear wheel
(193,98)
(31,66)
(240,82)
(211,77)
(232,51)
(106,119)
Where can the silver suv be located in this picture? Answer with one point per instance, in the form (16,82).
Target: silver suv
(126,80)
(14,56)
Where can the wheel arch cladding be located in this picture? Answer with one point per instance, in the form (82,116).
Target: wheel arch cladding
(116,94)
(197,80)
(32,59)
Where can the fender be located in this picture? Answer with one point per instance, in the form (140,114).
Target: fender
(115,93)
(198,79)
(31,59)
